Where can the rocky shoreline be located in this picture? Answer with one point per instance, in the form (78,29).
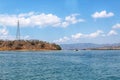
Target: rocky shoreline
(27,45)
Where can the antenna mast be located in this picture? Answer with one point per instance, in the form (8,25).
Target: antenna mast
(18,31)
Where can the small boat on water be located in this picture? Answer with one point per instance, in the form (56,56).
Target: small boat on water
(76,50)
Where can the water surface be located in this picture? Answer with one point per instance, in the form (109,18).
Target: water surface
(60,65)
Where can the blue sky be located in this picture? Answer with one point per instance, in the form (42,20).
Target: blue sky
(61,21)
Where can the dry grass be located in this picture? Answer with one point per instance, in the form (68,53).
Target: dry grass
(27,45)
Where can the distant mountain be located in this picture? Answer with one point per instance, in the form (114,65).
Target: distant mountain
(79,46)
(108,47)
(86,46)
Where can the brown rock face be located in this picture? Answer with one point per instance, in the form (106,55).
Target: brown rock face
(27,45)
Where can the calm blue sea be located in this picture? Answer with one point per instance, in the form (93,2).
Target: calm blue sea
(60,65)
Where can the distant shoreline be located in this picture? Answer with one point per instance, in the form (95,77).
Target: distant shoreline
(90,46)
(105,48)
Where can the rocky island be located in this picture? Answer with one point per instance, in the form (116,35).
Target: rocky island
(27,45)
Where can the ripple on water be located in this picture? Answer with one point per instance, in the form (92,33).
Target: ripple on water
(60,65)
(112,77)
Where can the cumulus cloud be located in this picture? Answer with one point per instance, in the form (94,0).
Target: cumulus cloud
(102,14)
(71,20)
(61,40)
(116,26)
(8,20)
(91,35)
(3,33)
(38,19)
(78,36)
(95,34)
(112,32)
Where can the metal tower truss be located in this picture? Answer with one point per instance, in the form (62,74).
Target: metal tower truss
(18,31)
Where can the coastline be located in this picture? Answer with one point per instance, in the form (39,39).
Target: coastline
(27,45)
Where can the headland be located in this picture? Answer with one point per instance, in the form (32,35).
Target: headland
(27,45)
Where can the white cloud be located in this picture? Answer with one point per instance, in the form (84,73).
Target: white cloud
(61,40)
(3,31)
(26,14)
(102,14)
(77,36)
(37,19)
(95,34)
(4,35)
(65,24)
(72,19)
(116,26)
(91,35)
(44,20)
(8,20)
(112,32)
(26,37)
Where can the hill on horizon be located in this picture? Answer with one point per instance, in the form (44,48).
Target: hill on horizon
(86,46)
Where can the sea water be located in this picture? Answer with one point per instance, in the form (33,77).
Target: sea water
(60,65)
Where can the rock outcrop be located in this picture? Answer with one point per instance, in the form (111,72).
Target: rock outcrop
(27,45)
